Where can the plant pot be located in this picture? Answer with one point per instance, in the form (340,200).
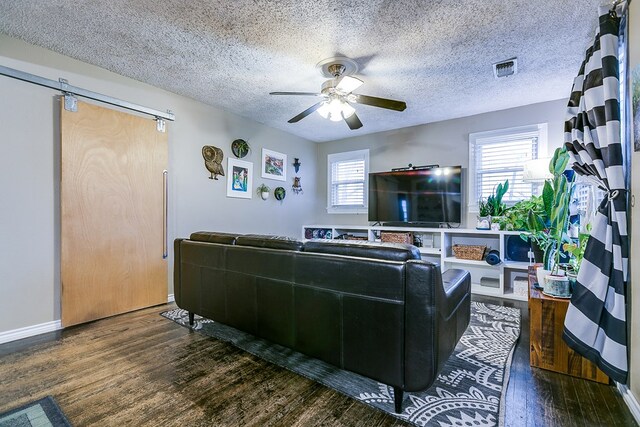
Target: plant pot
(484,223)
(538,252)
(557,286)
(264,195)
(495,223)
(541,273)
(573,278)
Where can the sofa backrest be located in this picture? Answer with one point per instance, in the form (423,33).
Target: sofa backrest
(382,251)
(214,237)
(271,242)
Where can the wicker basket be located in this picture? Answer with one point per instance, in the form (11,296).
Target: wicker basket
(387,236)
(471,252)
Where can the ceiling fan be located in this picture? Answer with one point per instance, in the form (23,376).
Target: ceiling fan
(338,94)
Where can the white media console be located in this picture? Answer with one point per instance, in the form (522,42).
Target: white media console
(494,280)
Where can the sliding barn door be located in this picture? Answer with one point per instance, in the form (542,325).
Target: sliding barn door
(113,207)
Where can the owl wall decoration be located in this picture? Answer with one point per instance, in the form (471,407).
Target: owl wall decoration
(296,187)
(213,160)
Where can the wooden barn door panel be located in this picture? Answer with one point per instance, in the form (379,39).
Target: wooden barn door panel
(112,213)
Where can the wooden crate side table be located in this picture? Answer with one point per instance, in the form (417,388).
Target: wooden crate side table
(547,348)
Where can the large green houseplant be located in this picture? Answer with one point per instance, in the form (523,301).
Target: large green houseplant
(548,229)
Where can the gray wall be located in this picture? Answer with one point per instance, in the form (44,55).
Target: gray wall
(29,175)
(443,143)
(634,333)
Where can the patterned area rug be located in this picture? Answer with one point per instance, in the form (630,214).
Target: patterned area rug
(468,392)
(41,413)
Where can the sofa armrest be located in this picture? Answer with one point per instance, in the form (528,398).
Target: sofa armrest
(420,340)
(437,309)
(177,272)
(456,285)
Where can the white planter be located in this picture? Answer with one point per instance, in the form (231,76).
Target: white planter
(557,286)
(541,273)
(264,195)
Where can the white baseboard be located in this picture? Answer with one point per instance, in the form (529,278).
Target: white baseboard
(29,331)
(631,401)
(171,298)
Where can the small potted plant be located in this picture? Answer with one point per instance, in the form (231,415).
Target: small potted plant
(484,216)
(263,191)
(492,207)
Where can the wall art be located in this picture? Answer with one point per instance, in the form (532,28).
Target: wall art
(274,165)
(279,193)
(213,160)
(239,181)
(240,148)
(296,187)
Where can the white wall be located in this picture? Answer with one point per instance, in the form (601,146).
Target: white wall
(29,175)
(443,143)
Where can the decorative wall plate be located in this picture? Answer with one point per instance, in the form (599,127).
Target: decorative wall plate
(240,148)
(279,193)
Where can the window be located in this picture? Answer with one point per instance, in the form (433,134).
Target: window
(348,178)
(497,156)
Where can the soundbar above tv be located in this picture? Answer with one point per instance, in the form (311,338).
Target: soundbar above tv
(427,197)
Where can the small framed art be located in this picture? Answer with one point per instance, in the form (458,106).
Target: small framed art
(274,165)
(239,178)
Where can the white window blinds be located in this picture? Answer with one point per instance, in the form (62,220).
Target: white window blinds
(499,156)
(499,161)
(348,174)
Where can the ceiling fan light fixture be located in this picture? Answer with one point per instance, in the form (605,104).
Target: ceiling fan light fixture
(336,110)
(347,110)
(347,84)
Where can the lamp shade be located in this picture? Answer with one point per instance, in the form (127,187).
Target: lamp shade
(536,170)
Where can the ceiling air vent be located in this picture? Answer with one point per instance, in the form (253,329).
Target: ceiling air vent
(505,68)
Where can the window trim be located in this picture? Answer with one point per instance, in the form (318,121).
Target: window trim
(348,155)
(540,128)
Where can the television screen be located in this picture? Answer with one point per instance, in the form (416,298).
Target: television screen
(427,196)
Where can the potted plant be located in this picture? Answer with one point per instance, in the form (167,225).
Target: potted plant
(576,251)
(550,235)
(492,207)
(515,218)
(484,216)
(263,191)
(496,207)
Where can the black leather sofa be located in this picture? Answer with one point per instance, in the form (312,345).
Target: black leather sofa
(374,309)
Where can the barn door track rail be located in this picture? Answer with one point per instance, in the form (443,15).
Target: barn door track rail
(70,92)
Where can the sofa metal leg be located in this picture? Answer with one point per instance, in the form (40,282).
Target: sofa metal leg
(397,397)
(191,318)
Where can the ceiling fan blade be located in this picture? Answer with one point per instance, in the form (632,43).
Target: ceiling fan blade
(353,121)
(389,104)
(306,112)
(348,84)
(296,93)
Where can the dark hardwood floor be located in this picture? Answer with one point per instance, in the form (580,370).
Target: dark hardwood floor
(141,369)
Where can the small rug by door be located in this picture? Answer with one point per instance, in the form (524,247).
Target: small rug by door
(469,391)
(41,413)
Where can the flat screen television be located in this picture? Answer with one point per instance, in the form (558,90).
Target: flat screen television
(416,197)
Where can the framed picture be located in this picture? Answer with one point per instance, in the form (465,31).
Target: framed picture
(239,178)
(274,165)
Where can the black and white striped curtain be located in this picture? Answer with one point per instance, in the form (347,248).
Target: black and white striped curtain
(595,326)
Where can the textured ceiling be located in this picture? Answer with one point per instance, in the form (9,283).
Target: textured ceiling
(435,55)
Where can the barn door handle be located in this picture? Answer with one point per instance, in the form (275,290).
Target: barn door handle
(165,213)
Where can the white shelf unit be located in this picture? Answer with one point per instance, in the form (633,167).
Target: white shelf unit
(437,246)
